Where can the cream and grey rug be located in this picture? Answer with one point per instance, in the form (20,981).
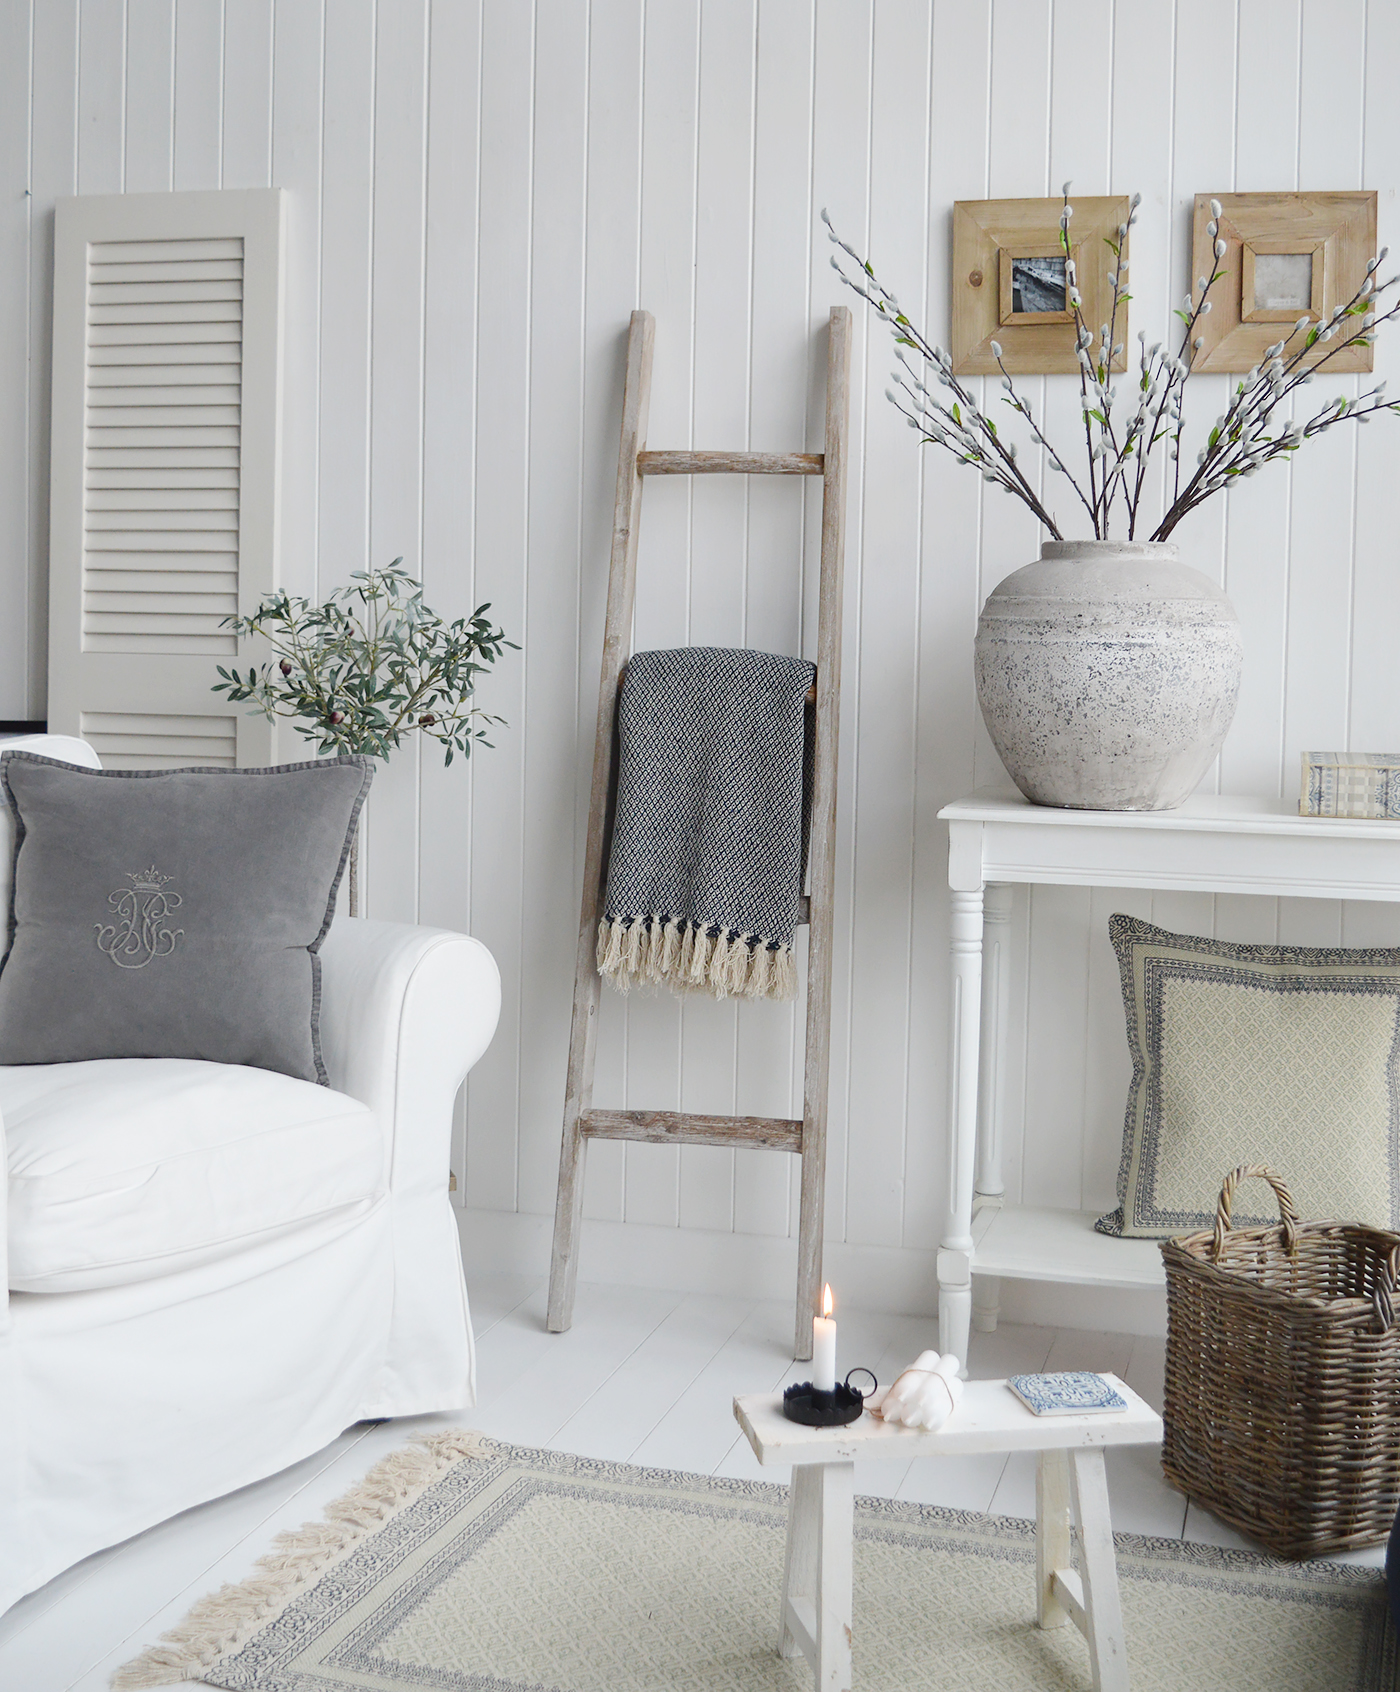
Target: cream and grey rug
(468,1566)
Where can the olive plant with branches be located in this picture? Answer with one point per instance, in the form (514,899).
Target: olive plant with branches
(1119,439)
(369,667)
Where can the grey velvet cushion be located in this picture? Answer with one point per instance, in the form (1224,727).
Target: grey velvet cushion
(173,913)
(1283,1055)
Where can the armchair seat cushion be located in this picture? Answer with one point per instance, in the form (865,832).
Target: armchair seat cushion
(125,1169)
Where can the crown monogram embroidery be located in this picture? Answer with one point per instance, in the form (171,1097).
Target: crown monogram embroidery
(140,932)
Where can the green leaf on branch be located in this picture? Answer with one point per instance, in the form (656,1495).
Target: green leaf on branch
(369,667)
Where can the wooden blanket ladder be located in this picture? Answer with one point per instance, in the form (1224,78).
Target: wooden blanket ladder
(582,1123)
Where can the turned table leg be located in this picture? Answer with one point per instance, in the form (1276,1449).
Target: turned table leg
(955,1253)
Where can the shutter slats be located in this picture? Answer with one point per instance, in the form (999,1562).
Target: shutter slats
(161,559)
(153,543)
(173,311)
(133,558)
(162,580)
(160,293)
(145,740)
(163,372)
(164,468)
(176,270)
(174,479)
(134,355)
(197,332)
(158,498)
(140,252)
(114,522)
(183,435)
(152,458)
(163,416)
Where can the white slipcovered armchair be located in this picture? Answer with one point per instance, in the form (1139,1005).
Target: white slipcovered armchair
(212,1270)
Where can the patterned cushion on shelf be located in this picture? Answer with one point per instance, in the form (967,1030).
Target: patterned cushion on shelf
(1285,1055)
(172,913)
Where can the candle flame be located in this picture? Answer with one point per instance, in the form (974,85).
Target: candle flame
(826,1299)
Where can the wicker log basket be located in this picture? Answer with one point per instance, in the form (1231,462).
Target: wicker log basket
(1283,1376)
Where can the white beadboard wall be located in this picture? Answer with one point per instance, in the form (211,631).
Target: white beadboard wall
(481,191)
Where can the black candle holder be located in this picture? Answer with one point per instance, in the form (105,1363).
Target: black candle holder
(816,1408)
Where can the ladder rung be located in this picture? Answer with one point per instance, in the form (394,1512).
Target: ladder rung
(672,1127)
(735,463)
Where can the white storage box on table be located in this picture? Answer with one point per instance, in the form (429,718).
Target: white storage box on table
(1363,785)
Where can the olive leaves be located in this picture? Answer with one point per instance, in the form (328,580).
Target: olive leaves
(369,666)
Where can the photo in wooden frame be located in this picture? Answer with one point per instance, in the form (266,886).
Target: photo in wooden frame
(1286,256)
(1009,282)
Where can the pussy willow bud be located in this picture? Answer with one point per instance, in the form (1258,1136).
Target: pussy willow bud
(1215,208)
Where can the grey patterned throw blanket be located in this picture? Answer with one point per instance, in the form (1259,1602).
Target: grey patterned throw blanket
(708,841)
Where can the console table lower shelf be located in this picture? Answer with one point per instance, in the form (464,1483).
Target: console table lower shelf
(1022,1242)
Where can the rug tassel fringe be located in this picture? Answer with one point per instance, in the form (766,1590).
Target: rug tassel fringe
(220,1623)
(658,952)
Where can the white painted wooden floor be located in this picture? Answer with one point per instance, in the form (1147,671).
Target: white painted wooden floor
(644,1377)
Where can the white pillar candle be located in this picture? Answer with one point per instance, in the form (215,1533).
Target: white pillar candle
(824,1347)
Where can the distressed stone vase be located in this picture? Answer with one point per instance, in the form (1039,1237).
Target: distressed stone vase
(1107,673)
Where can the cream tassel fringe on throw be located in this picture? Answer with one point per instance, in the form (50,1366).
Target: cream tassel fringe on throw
(655,952)
(224,1621)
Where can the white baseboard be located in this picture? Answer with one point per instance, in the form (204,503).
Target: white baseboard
(894,1278)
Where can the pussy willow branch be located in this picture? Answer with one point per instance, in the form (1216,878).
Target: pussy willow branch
(1235,449)
(1238,444)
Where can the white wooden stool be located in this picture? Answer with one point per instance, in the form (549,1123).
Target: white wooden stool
(815,1614)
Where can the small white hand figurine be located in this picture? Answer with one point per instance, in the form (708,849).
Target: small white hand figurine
(926,1393)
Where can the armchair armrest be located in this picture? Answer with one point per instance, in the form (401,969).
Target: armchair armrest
(405,1013)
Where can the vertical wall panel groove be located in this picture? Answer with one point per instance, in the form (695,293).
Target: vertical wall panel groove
(478,197)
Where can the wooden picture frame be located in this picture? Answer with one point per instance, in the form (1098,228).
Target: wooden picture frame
(1258,307)
(1007,262)
(1335,230)
(989,236)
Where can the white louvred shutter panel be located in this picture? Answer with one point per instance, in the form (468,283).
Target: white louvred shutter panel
(167,352)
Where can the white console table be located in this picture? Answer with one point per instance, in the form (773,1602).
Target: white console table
(1211,844)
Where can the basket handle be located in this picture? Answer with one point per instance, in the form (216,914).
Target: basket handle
(1288,1211)
(1383,1297)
